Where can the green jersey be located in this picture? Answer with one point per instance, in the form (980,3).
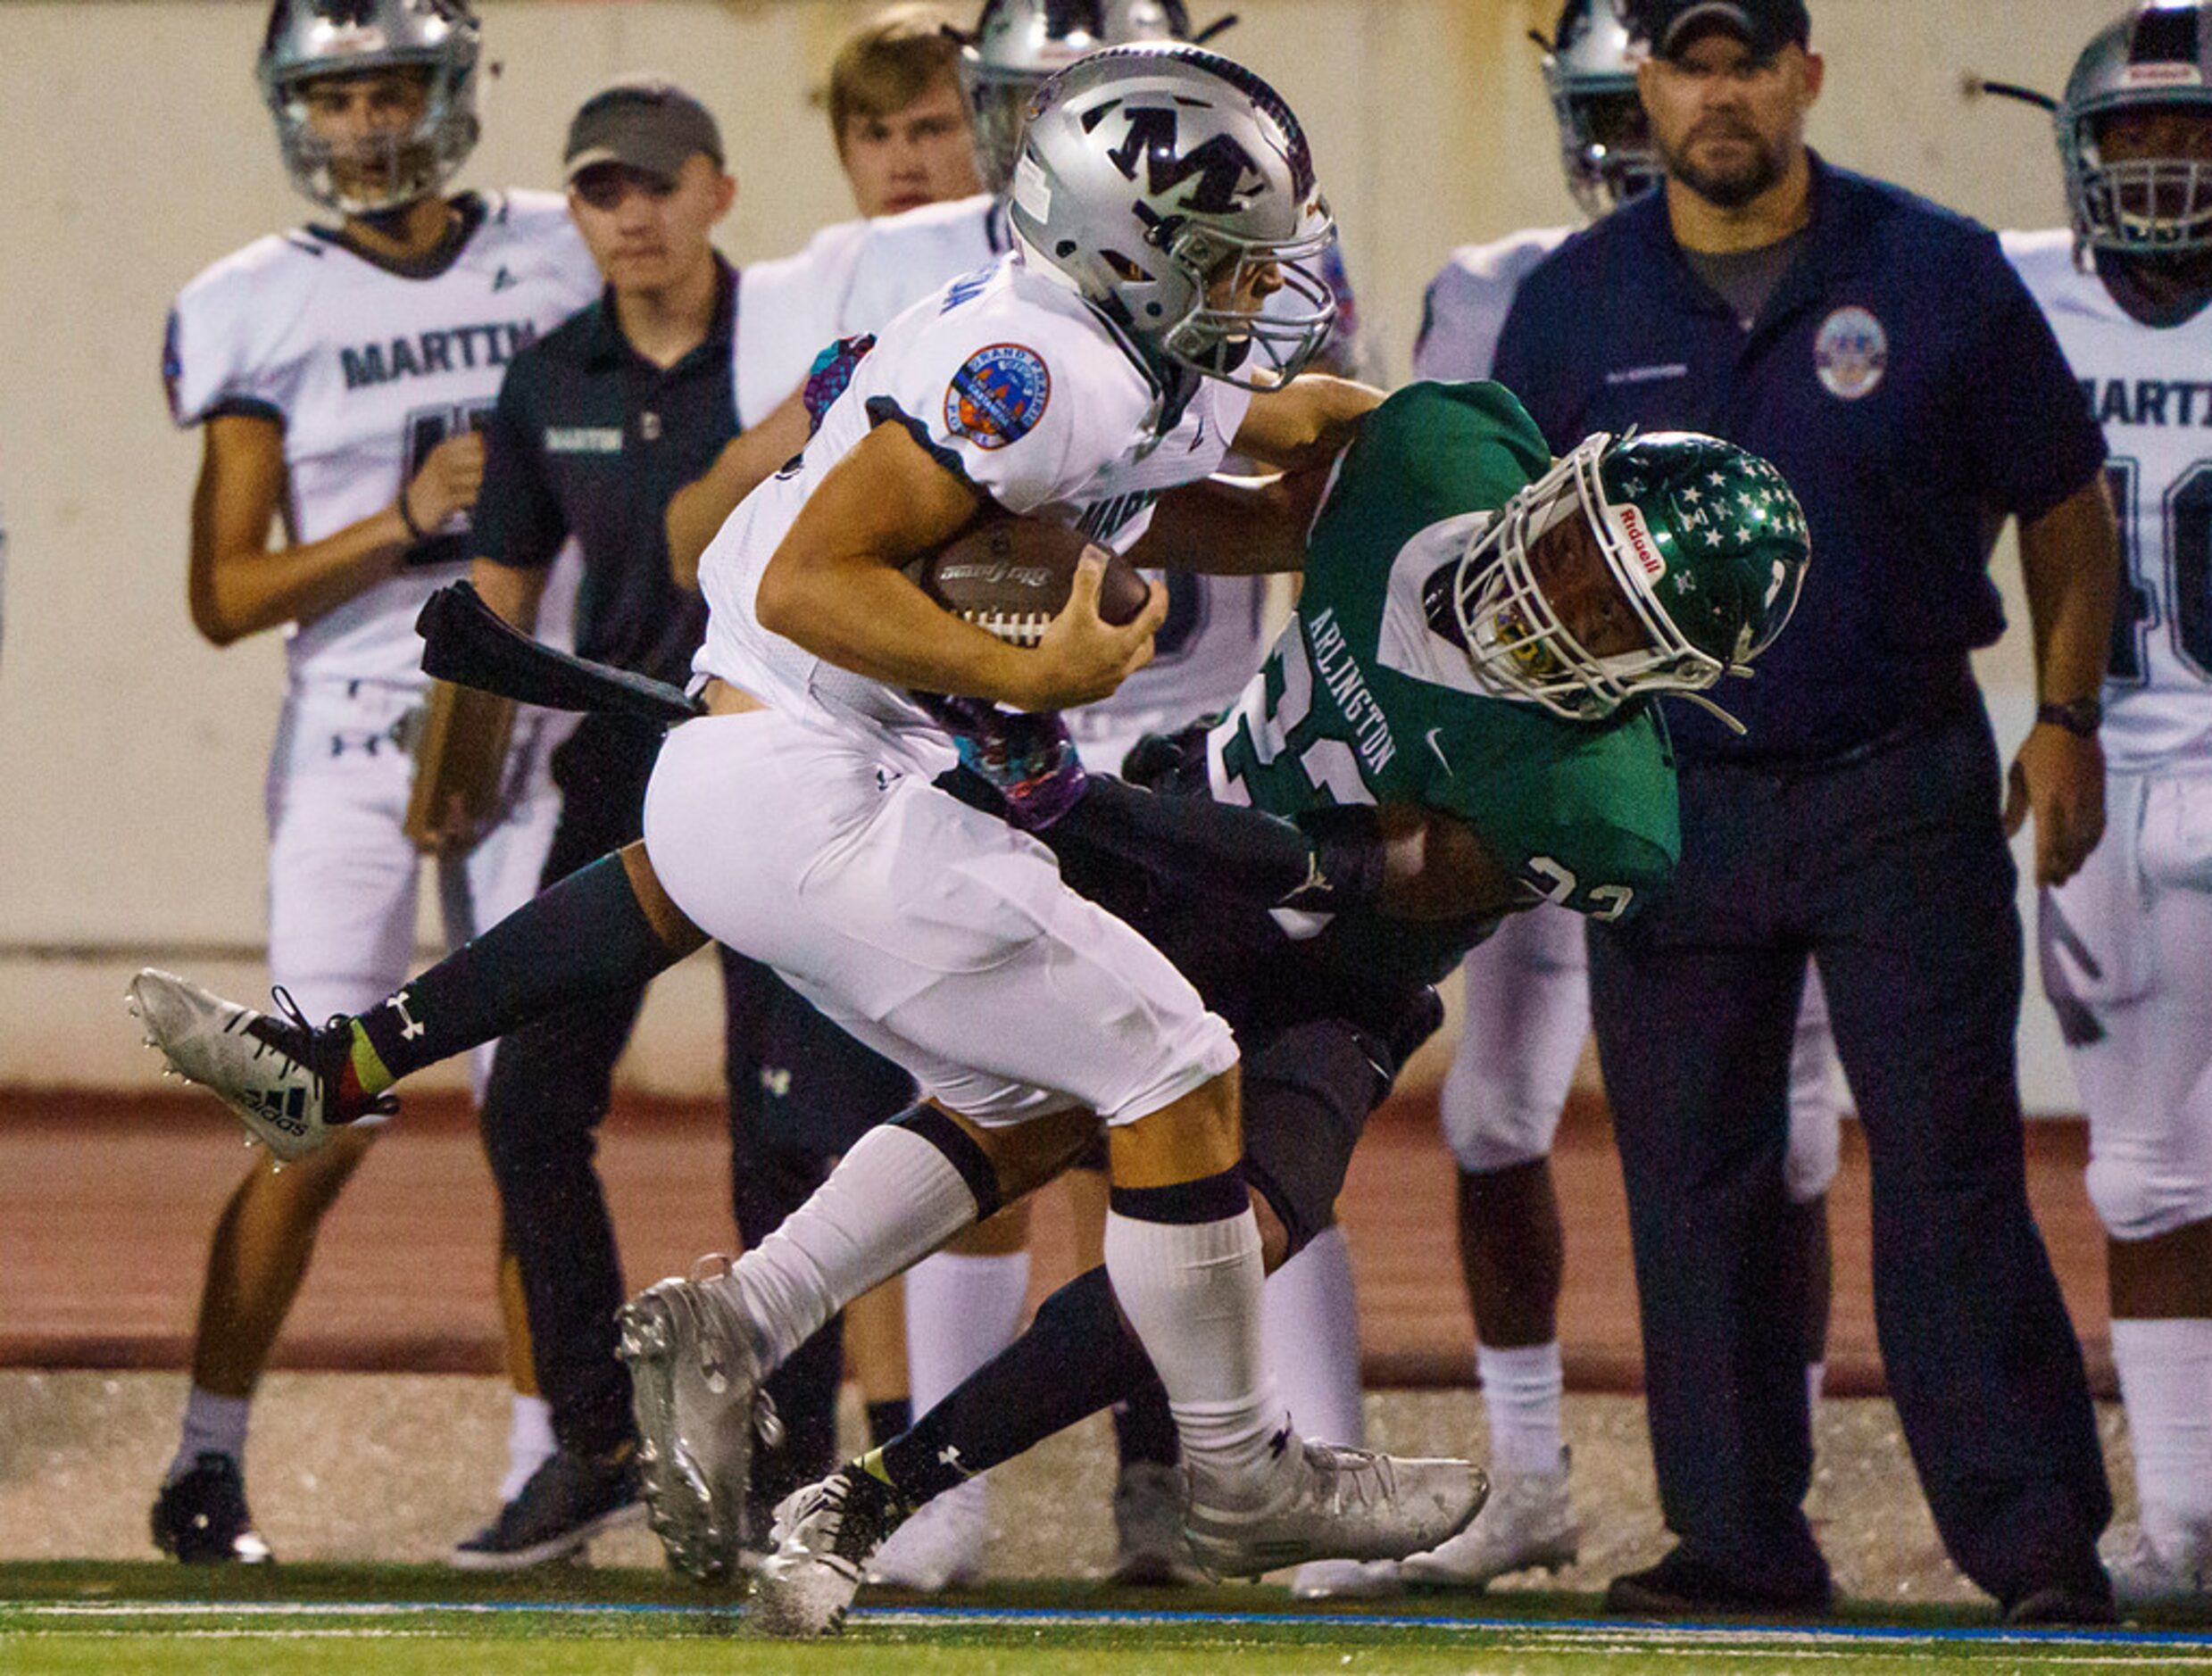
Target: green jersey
(1361,701)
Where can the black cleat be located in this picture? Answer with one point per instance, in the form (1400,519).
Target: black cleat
(567,1502)
(201,1518)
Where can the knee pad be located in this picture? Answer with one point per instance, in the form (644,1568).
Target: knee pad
(1306,1097)
(2140,1197)
(1528,1013)
(1814,1147)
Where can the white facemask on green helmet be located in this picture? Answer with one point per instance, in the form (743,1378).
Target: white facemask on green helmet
(1704,540)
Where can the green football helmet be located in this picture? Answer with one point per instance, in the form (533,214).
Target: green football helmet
(1705,541)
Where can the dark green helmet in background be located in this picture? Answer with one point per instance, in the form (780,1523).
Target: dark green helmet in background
(1705,540)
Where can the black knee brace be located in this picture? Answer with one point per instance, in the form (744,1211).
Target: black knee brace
(1307,1096)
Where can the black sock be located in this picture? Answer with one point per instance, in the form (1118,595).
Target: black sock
(887,1420)
(1075,1359)
(583,938)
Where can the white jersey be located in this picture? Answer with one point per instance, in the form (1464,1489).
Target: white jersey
(367,370)
(1011,380)
(855,278)
(1468,301)
(2156,413)
(852,278)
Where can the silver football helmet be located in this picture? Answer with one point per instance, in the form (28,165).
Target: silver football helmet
(312,38)
(1605,138)
(1017,43)
(1173,189)
(2157,57)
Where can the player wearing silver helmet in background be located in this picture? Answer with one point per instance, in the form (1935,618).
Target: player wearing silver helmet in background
(336,374)
(2123,942)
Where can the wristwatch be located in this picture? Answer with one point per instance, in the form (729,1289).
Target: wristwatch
(2080,716)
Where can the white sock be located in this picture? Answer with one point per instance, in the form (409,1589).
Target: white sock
(2165,1383)
(1522,1390)
(891,1201)
(1312,1316)
(529,1443)
(1815,1377)
(1192,1292)
(961,1312)
(212,1425)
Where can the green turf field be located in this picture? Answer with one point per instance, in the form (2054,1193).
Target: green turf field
(117,1620)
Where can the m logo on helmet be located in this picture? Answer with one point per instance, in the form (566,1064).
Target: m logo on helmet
(1226,175)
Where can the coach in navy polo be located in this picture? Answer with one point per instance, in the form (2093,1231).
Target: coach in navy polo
(1882,352)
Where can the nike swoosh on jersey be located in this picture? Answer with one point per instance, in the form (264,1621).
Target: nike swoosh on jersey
(1431,736)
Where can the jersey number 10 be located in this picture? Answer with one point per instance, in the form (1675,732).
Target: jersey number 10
(2187,591)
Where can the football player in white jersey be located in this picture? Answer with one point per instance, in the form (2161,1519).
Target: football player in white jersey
(965,1304)
(1161,195)
(1527,1009)
(2123,942)
(336,374)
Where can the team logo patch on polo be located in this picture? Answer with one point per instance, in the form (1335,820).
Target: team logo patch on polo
(585,439)
(998,396)
(1851,353)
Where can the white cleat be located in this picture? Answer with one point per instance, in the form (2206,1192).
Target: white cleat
(1330,1502)
(2142,1576)
(696,1393)
(1528,1525)
(271,1071)
(1344,1579)
(825,1535)
(940,1547)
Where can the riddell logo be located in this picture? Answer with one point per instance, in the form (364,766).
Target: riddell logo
(2162,75)
(1639,535)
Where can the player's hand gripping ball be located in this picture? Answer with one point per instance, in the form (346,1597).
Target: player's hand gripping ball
(1010,576)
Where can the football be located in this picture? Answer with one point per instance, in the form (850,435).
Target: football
(1010,576)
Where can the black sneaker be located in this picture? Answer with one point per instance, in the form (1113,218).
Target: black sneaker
(1682,1586)
(201,1518)
(567,1502)
(2084,1602)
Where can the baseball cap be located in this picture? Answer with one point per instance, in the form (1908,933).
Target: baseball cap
(644,123)
(1763,26)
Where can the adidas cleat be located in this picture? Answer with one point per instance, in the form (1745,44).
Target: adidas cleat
(940,1547)
(1528,1525)
(279,1075)
(695,1392)
(2142,1575)
(1328,1502)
